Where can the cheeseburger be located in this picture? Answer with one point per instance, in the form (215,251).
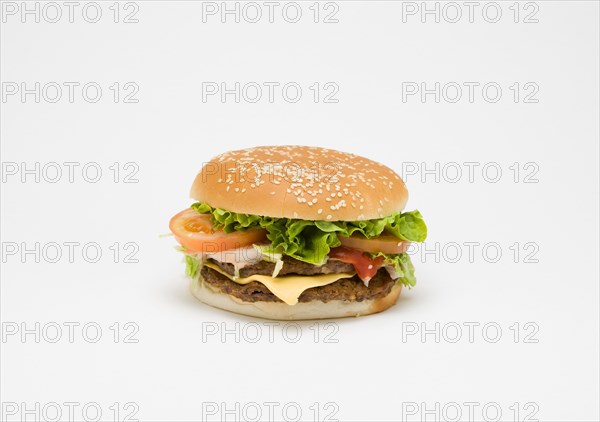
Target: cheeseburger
(295,232)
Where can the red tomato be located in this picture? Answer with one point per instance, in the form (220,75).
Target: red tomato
(194,231)
(365,266)
(385,243)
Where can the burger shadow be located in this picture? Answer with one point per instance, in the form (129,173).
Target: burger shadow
(178,291)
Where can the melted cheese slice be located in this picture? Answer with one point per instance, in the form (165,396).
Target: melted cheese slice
(287,288)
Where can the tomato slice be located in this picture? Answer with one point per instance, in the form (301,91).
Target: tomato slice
(365,266)
(385,243)
(194,231)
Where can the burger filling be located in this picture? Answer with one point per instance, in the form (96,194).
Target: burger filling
(351,289)
(257,258)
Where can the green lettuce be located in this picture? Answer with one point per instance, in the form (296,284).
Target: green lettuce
(311,241)
(402,266)
(192,266)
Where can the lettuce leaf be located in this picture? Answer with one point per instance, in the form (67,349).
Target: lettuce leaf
(192,266)
(402,265)
(407,226)
(311,241)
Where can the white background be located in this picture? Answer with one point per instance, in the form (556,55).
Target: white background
(375,366)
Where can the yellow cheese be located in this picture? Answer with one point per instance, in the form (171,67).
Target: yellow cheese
(287,288)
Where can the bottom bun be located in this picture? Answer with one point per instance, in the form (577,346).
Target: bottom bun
(303,310)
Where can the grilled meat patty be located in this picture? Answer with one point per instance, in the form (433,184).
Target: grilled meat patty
(351,289)
(290,266)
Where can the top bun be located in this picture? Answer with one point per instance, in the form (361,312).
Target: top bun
(307,183)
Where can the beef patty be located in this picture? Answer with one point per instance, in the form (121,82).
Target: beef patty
(290,266)
(352,289)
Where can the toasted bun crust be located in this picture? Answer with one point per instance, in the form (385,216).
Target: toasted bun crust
(303,310)
(307,183)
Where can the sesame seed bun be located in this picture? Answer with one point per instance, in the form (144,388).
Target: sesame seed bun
(307,183)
